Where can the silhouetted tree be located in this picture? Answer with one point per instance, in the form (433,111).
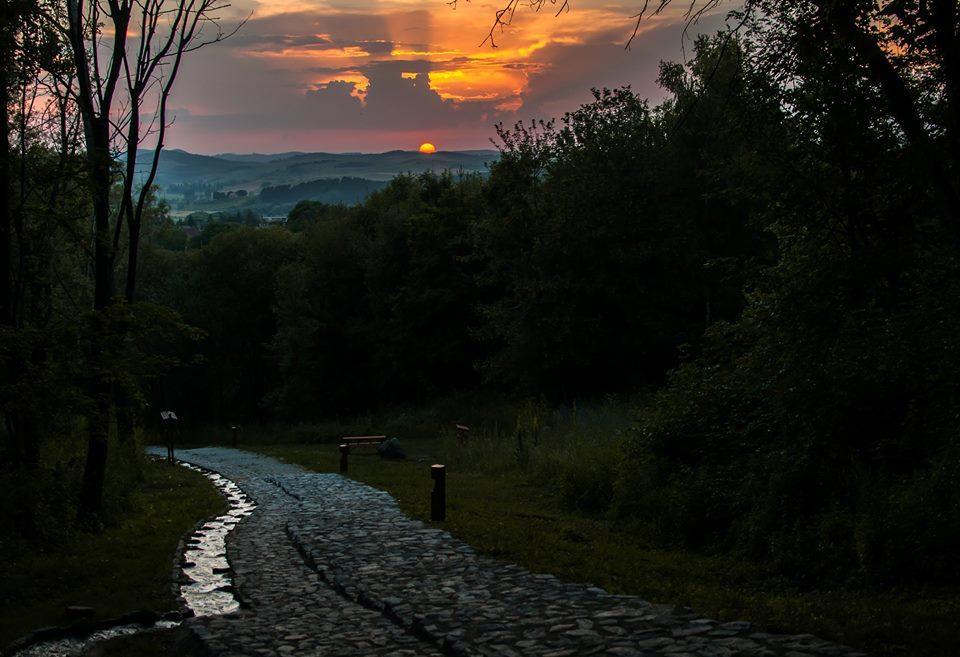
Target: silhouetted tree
(120,76)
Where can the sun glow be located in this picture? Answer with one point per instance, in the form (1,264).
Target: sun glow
(371,76)
(427,148)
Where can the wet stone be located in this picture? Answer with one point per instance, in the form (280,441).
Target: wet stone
(325,565)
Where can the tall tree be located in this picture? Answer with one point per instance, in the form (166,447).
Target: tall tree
(31,107)
(6,309)
(908,49)
(122,73)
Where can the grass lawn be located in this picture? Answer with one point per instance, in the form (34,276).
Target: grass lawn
(125,568)
(511,517)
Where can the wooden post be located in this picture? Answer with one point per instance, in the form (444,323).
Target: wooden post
(234,429)
(438,498)
(344,453)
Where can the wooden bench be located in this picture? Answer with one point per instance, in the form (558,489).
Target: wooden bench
(362,441)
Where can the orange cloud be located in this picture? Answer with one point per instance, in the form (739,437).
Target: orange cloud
(358,80)
(449,40)
(354,72)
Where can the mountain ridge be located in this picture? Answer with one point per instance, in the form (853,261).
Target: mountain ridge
(192,181)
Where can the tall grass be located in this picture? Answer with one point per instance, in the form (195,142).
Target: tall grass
(573,450)
(40,506)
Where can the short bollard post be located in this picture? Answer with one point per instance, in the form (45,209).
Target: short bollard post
(344,453)
(234,429)
(438,498)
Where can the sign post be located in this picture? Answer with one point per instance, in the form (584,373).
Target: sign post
(169,420)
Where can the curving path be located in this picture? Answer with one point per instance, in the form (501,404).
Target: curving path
(328,566)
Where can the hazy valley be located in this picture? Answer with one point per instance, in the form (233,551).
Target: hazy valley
(271,184)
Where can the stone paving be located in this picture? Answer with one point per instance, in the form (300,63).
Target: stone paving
(329,566)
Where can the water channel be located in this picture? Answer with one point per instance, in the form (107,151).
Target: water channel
(206,588)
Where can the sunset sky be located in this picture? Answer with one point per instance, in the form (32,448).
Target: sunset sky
(359,75)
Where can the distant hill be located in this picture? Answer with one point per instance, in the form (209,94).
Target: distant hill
(229,181)
(256,157)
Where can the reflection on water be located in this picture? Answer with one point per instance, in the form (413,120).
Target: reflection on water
(209,591)
(68,647)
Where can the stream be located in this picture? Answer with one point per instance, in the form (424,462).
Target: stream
(208,592)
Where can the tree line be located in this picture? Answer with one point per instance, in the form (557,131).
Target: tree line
(768,248)
(541,277)
(85,84)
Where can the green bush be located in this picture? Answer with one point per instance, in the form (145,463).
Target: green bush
(827,449)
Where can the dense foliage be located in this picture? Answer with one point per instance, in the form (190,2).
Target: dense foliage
(540,278)
(773,236)
(76,346)
(819,430)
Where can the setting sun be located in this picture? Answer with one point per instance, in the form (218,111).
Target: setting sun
(428,148)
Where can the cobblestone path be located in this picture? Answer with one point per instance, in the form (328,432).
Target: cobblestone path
(329,566)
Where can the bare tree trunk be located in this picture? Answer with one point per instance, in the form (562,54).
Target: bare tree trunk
(100,179)
(6,216)
(126,416)
(11,422)
(100,96)
(133,260)
(95,468)
(100,183)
